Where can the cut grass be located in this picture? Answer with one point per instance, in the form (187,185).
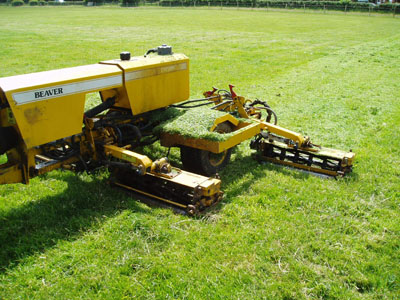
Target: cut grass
(191,123)
(279,233)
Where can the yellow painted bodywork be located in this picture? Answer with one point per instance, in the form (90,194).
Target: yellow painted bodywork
(226,118)
(294,136)
(47,106)
(141,84)
(249,130)
(138,160)
(153,82)
(11,173)
(43,120)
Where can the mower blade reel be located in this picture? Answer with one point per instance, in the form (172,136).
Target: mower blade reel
(321,160)
(185,192)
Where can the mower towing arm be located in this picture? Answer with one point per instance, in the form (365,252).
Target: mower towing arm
(280,145)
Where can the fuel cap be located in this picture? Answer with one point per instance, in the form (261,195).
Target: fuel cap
(125,55)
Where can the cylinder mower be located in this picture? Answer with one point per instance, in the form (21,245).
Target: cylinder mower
(44,126)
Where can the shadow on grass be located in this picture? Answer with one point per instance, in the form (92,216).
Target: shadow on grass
(83,205)
(246,169)
(40,224)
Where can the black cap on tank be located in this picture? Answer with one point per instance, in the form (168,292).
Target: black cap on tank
(125,55)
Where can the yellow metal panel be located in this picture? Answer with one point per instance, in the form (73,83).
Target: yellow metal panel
(48,78)
(294,136)
(159,91)
(129,156)
(169,140)
(49,120)
(11,174)
(49,105)
(223,119)
(153,82)
(243,134)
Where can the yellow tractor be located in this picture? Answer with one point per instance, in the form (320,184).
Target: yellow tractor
(44,126)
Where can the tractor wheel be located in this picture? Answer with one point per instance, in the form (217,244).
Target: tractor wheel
(205,162)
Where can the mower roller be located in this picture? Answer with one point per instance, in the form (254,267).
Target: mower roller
(44,126)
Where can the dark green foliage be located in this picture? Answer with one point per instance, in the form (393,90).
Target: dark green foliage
(287,4)
(129,3)
(65,3)
(17,3)
(33,2)
(94,2)
(390,7)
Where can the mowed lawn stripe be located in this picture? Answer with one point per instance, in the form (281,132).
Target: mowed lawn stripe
(279,233)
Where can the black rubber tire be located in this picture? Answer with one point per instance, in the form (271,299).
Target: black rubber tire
(205,162)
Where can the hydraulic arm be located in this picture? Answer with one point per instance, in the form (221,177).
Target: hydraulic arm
(280,145)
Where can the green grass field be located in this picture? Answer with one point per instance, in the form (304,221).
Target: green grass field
(279,233)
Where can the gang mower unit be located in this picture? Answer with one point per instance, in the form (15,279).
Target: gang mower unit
(43,126)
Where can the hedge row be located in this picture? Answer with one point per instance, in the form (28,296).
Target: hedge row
(42,2)
(343,5)
(17,3)
(115,2)
(67,2)
(55,3)
(334,5)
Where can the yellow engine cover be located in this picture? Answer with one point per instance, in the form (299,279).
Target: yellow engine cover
(153,82)
(49,105)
